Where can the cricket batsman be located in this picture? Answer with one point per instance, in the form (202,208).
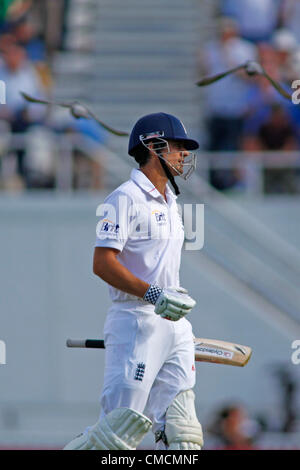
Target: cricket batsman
(149,357)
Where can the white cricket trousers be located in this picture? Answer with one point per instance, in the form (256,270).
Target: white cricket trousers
(148,360)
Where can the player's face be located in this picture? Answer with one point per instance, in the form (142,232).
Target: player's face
(176,156)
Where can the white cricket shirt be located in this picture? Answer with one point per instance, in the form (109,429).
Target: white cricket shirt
(147,230)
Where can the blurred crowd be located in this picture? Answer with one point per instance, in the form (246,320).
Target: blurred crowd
(29,134)
(246,113)
(242,113)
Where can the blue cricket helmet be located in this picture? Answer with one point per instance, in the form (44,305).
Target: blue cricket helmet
(160,125)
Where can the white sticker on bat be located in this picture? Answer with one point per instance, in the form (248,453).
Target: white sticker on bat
(215,352)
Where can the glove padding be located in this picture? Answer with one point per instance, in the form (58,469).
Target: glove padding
(174,303)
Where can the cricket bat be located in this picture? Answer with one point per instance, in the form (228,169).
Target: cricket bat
(206,350)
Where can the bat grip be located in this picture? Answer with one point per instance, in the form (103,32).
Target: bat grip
(85,343)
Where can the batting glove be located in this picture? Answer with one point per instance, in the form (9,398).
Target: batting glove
(171,303)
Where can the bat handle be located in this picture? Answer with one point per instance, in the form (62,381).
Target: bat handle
(85,343)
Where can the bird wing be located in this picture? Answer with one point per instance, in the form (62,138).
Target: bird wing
(276,85)
(31,99)
(209,80)
(105,126)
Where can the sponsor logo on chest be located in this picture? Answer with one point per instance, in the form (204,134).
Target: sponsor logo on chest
(160,217)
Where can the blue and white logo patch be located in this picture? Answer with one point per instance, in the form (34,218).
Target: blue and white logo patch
(109,227)
(160,217)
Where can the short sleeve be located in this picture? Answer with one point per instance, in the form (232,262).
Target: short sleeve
(116,216)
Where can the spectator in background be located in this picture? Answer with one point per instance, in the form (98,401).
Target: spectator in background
(226,100)
(290,17)
(285,45)
(235,429)
(27,37)
(263,96)
(257,19)
(12,9)
(272,123)
(6,40)
(19,75)
(277,132)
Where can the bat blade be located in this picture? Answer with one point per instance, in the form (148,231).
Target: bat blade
(221,352)
(206,350)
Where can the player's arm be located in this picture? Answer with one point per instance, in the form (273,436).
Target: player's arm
(172,303)
(107,266)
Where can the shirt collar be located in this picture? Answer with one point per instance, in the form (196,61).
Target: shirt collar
(145,184)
